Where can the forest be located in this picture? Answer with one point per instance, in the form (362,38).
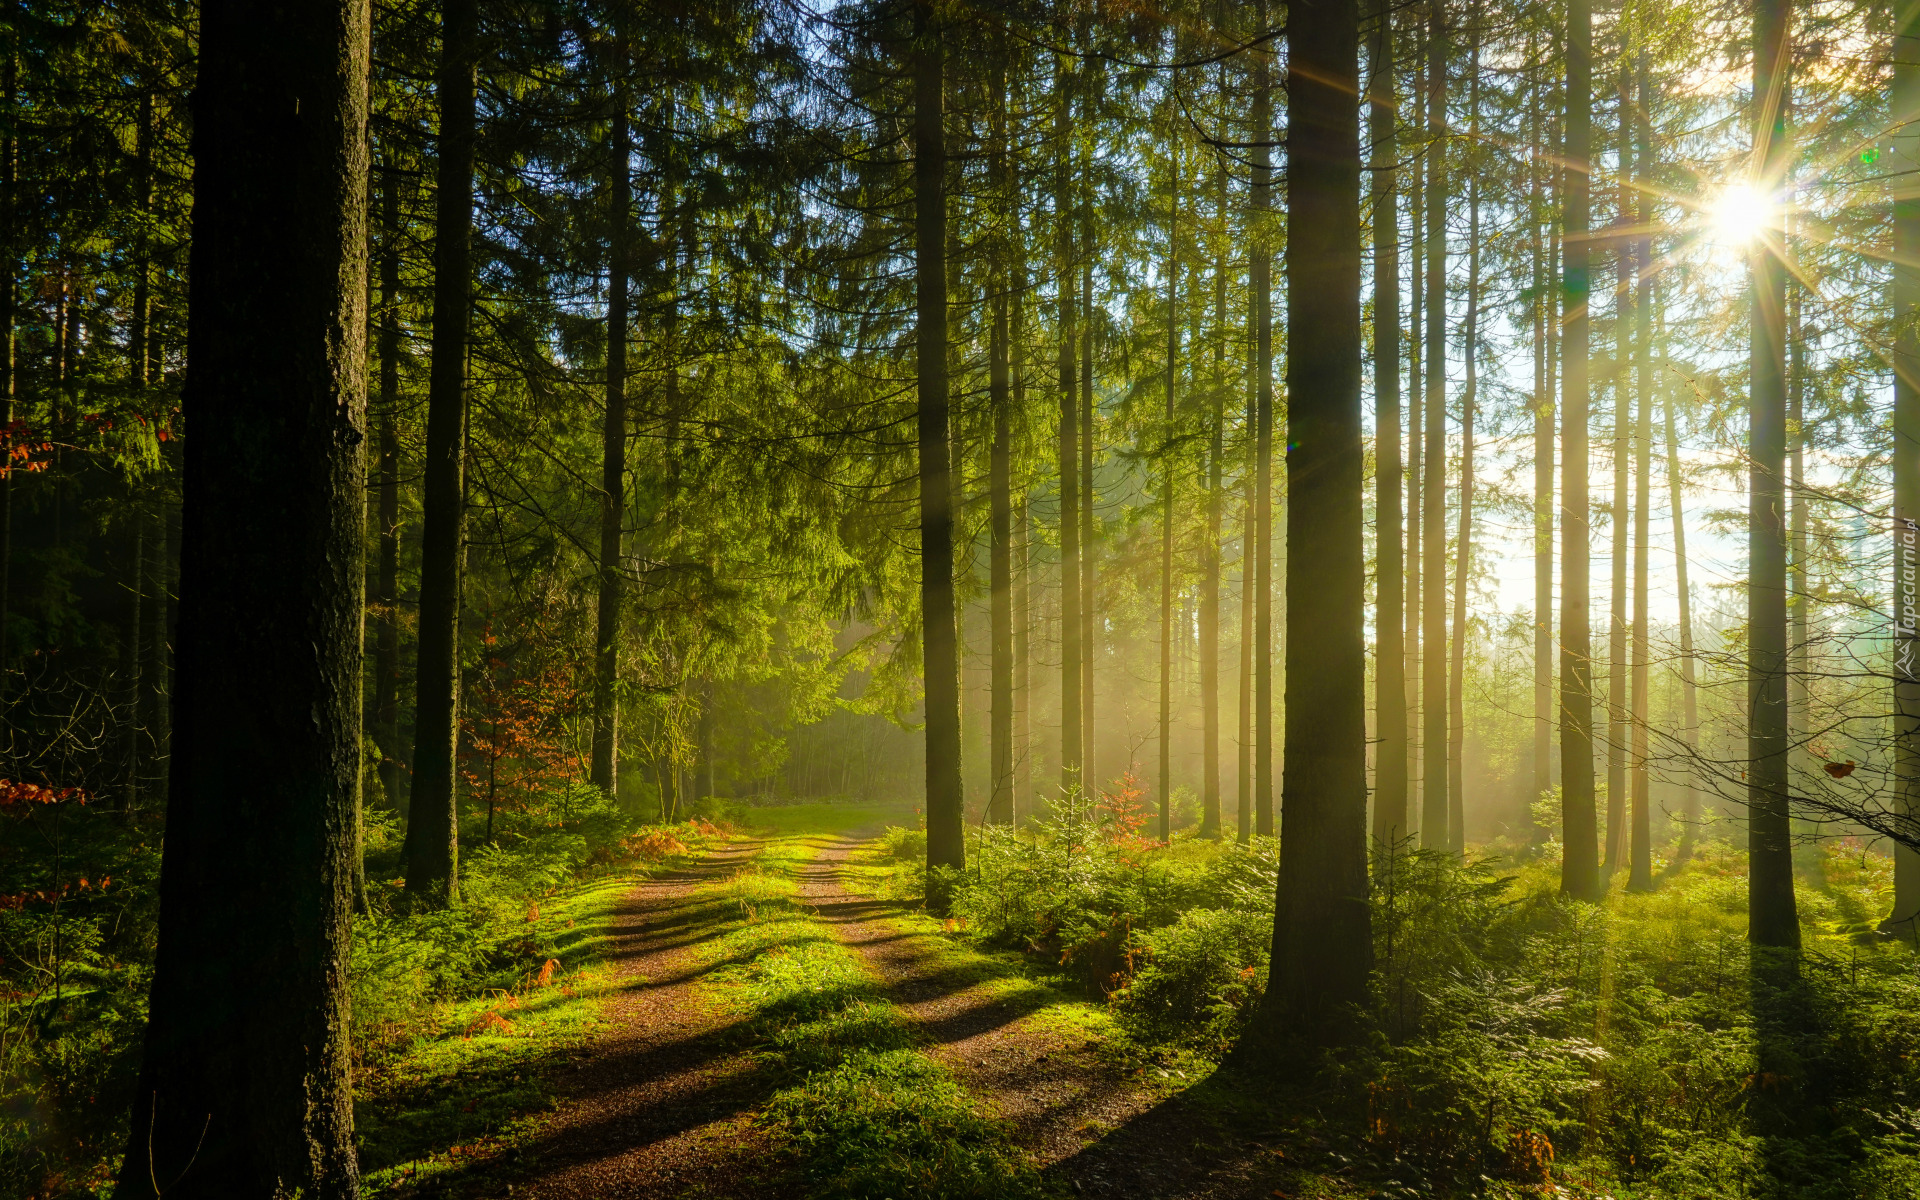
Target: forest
(887,599)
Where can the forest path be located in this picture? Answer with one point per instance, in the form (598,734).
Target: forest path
(661,1104)
(1030,1056)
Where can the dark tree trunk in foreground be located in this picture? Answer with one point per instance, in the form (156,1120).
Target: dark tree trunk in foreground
(1580,866)
(386,672)
(1260,280)
(613,446)
(1433,606)
(1617,703)
(1322,941)
(9,171)
(946,836)
(243,1090)
(433,825)
(1771,919)
(1906,455)
(1390,672)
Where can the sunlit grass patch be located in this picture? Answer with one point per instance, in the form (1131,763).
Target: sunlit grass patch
(860,1111)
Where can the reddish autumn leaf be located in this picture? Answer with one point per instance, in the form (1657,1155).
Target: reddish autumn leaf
(1839,770)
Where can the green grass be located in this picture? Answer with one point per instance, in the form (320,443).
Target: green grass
(473,1083)
(860,1111)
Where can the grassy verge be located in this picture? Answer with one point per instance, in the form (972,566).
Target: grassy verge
(860,1111)
(470,1083)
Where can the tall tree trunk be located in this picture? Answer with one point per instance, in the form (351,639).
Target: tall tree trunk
(1771,918)
(1000,479)
(1390,682)
(1690,707)
(1071,650)
(1640,872)
(605,772)
(1543,407)
(1322,944)
(1260,279)
(433,826)
(244,1087)
(386,652)
(1210,544)
(1416,463)
(9,227)
(1579,866)
(1022,555)
(946,832)
(1167,437)
(1463,550)
(1906,458)
(1089,527)
(1799,693)
(1433,681)
(1244,764)
(1620,515)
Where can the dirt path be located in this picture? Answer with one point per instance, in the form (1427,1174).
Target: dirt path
(1058,1096)
(661,1103)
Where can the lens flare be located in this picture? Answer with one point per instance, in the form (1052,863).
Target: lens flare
(1738,215)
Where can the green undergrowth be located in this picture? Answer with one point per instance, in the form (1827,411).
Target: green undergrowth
(1517,1040)
(860,1110)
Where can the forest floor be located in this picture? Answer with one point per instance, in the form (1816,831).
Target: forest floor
(773,1027)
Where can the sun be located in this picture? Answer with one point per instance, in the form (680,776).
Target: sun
(1738,215)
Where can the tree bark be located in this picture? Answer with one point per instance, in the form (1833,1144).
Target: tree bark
(1416,465)
(1640,849)
(1000,480)
(1543,455)
(1089,527)
(1070,648)
(1463,548)
(1260,277)
(386,669)
(1579,866)
(433,826)
(1167,437)
(1689,701)
(1620,514)
(1390,682)
(605,772)
(946,835)
(244,1086)
(1905,916)
(1210,544)
(9,226)
(1322,952)
(1434,803)
(1772,920)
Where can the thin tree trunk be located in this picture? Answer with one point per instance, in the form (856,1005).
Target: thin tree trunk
(1089,527)
(1690,707)
(1906,458)
(1000,480)
(1166,502)
(1433,682)
(1620,515)
(1210,545)
(1640,856)
(1772,920)
(1579,867)
(1260,276)
(1416,466)
(1543,409)
(9,185)
(244,1087)
(1070,580)
(1390,683)
(386,670)
(1322,945)
(613,441)
(433,827)
(946,834)
(1463,550)
(1799,696)
(1022,555)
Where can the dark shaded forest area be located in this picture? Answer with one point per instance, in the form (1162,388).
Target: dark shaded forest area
(901,599)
